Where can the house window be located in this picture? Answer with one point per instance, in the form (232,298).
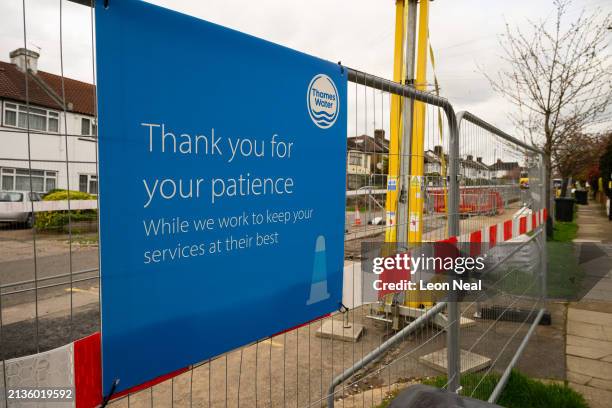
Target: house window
(356,181)
(355,159)
(20,179)
(8,179)
(88,127)
(88,183)
(38,119)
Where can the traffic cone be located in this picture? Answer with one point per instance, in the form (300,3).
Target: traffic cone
(357,216)
(318,287)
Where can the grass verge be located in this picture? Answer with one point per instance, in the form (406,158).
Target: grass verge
(565,276)
(564,231)
(520,391)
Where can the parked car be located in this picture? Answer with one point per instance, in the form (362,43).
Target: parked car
(15,213)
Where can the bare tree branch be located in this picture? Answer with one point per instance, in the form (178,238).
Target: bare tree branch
(558,74)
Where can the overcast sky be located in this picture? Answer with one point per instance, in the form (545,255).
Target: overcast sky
(464,35)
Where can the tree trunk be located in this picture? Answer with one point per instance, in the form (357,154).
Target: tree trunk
(564,186)
(547,186)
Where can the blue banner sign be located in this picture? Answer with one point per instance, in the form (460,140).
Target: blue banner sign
(222,189)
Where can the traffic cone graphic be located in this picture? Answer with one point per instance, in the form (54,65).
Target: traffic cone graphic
(318,287)
(357,216)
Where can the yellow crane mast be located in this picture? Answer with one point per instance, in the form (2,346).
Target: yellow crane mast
(416,182)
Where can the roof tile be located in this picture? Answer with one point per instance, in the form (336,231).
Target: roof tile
(13,86)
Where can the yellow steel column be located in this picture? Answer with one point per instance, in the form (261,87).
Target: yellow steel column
(395,137)
(415,203)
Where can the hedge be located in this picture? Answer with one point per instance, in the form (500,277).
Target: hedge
(57,219)
(59,195)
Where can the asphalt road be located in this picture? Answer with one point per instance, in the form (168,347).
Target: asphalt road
(54,257)
(15,271)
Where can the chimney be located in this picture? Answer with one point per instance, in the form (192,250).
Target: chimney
(379,136)
(438,150)
(470,157)
(479,159)
(24,58)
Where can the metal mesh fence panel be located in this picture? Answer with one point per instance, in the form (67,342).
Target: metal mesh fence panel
(504,213)
(49,268)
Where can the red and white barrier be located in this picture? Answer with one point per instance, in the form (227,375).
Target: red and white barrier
(478,241)
(504,231)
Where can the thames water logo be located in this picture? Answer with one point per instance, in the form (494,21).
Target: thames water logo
(323,101)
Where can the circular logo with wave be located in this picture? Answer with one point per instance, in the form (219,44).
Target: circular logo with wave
(323,101)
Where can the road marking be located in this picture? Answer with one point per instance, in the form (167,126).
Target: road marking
(78,290)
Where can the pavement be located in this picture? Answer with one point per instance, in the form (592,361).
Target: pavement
(589,320)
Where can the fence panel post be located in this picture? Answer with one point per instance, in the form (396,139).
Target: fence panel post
(543,236)
(452,331)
